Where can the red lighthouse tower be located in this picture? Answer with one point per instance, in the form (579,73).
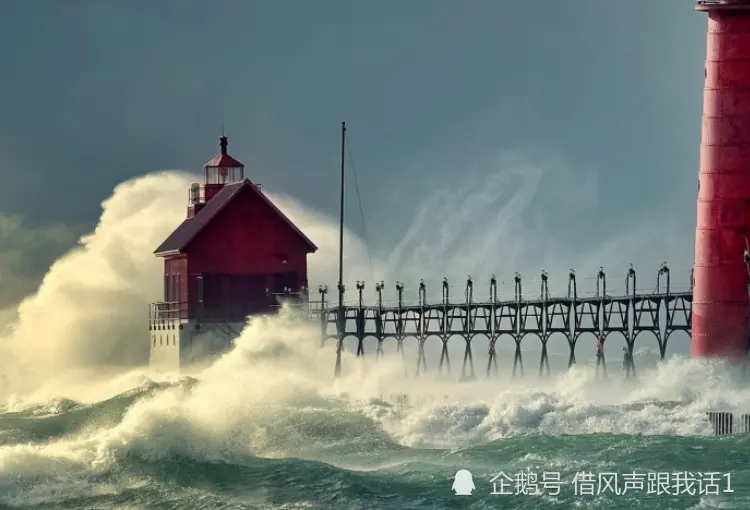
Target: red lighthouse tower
(720,296)
(233,256)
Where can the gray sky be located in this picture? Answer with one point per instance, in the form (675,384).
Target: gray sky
(604,97)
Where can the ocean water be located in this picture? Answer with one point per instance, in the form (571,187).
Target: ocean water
(266,427)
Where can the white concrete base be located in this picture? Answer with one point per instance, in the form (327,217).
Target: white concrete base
(178,344)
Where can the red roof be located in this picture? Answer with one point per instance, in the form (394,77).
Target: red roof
(191,227)
(224,160)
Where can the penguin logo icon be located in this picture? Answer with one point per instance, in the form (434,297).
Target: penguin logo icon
(463,483)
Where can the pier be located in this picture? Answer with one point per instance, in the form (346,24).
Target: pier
(660,312)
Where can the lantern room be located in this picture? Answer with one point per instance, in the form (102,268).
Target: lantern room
(223,169)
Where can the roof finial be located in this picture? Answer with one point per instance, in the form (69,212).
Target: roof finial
(223,142)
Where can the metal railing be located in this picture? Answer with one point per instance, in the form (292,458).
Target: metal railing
(182,310)
(724,423)
(728,3)
(167,310)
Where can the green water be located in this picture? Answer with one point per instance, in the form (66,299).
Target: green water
(330,454)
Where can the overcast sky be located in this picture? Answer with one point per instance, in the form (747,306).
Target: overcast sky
(602,98)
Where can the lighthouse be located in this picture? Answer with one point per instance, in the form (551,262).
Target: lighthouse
(235,255)
(720,295)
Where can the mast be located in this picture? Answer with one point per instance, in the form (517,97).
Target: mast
(340,314)
(341,219)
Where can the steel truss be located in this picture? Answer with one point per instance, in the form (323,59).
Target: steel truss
(571,316)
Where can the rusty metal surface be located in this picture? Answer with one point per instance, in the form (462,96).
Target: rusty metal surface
(720,297)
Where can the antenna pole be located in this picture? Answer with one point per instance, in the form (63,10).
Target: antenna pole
(340,317)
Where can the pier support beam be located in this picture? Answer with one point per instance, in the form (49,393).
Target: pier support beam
(544,316)
(467,370)
(340,330)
